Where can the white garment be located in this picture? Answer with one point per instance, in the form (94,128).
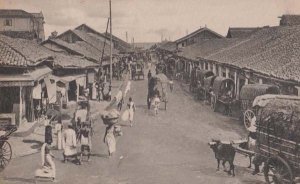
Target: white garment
(51,90)
(110,140)
(94,92)
(131,108)
(156,102)
(37,92)
(127,88)
(59,135)
(119,96)
(69,142)
(63,92)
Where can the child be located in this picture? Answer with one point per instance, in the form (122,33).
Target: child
(156,103)
(85,140)
(48,166)
(131,108)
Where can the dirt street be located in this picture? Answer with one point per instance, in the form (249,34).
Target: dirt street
(166,149)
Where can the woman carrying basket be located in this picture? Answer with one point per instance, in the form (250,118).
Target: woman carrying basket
(109,139)
(110,118)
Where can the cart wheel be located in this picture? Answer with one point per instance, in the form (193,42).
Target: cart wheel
(248,116)
(5,154)
(278,171)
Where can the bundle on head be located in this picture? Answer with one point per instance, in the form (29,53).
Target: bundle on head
(223,152)
(110,117)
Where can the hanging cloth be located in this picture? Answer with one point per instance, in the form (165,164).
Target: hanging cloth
(37,92)
(51,90)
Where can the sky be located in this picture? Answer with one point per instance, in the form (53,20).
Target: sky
(150,20)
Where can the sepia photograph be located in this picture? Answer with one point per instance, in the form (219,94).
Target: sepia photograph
(150,91)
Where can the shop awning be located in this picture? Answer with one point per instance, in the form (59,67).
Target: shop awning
(40,73)
(68,78)
(28,79)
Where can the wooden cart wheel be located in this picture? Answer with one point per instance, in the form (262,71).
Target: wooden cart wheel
(278,171)
(248,116)
(5,154)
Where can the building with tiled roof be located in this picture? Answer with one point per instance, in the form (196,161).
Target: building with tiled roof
(21,24)
(208,47)
(83,42)
(119,44)
(289,20)
(197,36)
(25,67)
(269,51)
(270,55)
(16,52)
(241,32)
(168,46)
(22,52)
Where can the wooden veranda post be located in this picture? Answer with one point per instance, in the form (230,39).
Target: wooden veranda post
(111,46)
(21,106)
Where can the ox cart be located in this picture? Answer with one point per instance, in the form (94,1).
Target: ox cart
(222,92)
(158,85)
(138,70)
(161,68)
(248,94)
(278,137)
(206,89)
(201,76)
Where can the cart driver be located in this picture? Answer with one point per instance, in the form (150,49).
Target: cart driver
(252,136)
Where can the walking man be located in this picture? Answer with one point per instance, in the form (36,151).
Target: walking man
(149,74)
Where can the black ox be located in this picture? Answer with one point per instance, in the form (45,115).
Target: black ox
(225,153)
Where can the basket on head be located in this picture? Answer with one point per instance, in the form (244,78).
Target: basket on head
(110,117)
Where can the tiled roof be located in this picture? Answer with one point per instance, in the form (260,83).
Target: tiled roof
(290,20)
(95,41)
(272,51)
(169,46)
(22,52)
(80,47)
(241,32)
(10,57)
(199,31)
(122,42)
(122,46)
(205,48)
(71,61)
(14,13)
(87,43)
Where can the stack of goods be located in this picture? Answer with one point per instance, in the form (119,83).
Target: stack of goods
(110,117)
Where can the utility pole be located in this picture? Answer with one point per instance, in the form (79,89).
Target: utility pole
(126,37)
(111,44)
(133,43)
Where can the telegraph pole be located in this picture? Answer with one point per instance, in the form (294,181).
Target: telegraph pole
(111,44)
